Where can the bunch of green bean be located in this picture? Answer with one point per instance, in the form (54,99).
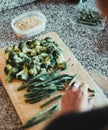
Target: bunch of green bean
(44,85)
(89,17)
(43,115)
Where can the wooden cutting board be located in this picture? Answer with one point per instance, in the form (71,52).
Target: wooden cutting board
(25,110)
(100,79)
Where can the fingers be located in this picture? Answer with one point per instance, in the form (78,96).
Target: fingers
(74,87)
(83,87)
(76,98)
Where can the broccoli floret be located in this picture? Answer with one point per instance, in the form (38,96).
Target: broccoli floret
(10,69)
(33,43)
(52,48)
(35,60)
(24,48)
(11,72)
(55,43)
(9,78)
(8,61)
(62,65)
(14,70)
(7,68)
(8,50)
(11,55)
(24,57)
(38,49)
(48,39)
(43,70)
(36,42)
(57,52)
(33,71)
(60,59)
(43,42)
(16,48)
(53,64)
(47,60)
(23,74)
(53,61)
(43,49)
(42,56)
(17,59)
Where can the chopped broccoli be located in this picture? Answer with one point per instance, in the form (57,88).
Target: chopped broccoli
(55,43)
(14,71)
(24,57)
(43,49)
(24,48)
(8,61)
(16,48)
(33,71)
(43,42)
(48,39)
(53,63)
(11,55)
(42,56)
(62,65)
(9,78)
(11,72)
(47,60)
(32,57)
(7,68)
(57,52)
(33,43)
(36,42)
(35,60)
(60,59)
(23,74)
(8,50)
(43,70)
(17,59)
(52,48)
(35,66)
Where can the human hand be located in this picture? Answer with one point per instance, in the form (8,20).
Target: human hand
(75,99)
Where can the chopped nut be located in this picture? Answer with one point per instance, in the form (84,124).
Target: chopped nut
(28,22)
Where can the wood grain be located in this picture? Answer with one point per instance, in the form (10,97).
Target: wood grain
(25,110)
